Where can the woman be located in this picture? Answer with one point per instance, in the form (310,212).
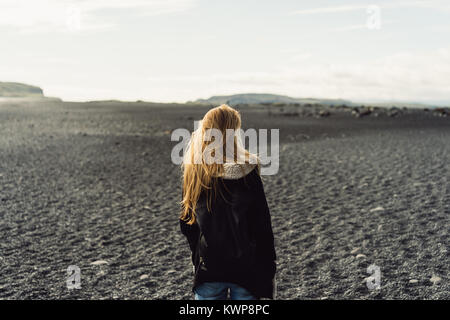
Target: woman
(225,216)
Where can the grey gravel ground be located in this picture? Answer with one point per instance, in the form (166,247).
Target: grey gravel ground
(93,182)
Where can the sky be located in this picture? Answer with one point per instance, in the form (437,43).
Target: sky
(180,50)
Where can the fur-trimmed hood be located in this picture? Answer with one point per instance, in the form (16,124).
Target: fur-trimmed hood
(234,171)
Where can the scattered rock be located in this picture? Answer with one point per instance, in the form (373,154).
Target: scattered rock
(441,112)
(354,251)
(324,113)
(413,281)
(143,277)
(361,256)
(365,112)
(377,209)
(99,262)
(361,112)
(171,272)
(435,279)
(394,112)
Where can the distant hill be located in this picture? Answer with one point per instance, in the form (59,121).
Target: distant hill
(19,90)
(257,98)
(262,98)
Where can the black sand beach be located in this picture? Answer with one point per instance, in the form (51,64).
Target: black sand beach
(92,185)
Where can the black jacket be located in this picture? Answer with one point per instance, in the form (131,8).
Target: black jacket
(234,241)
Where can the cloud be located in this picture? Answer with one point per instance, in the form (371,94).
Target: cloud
(329,9)
(149,7)
(361,26)
(436,4)
(414,77)
(403,76)
(73,15)
(439,28)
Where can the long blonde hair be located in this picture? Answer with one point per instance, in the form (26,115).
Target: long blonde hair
(198,174)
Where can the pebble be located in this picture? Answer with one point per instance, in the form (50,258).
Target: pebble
(413,281)
(355,250)
(143,277)
(435,279)
(99,262)
(377,209)
(360,256)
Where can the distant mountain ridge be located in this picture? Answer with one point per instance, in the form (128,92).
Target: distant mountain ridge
(19,90)
(257,98)
(261,98)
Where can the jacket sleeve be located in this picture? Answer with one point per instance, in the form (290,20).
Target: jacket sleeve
(265,244)
(191,232)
